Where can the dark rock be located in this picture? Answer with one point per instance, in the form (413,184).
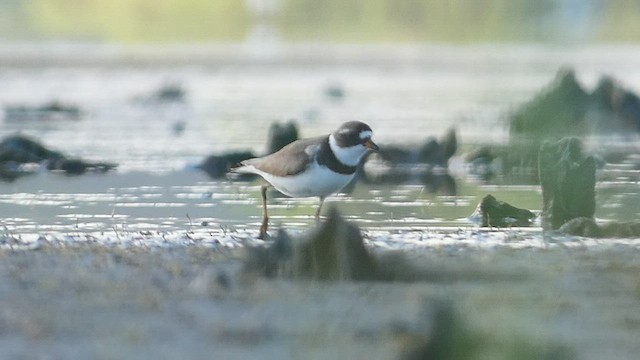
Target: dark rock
(556,112)
(568,182)
(432,152)
(11,170)
(78,167)
(614,108)
(496,213)
(426,165)
(17,151)
(439,152)
(281,135)
(170,92)
(217,166)
(334,92)
(587,227)
(178,127)
(628,108)
(603,95)
(54,110)
(22,149)
(435,180)
(565,109)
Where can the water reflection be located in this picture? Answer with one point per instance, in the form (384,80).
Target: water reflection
(128,204)
(92,203)
(230,107)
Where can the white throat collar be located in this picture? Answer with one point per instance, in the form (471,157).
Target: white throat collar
(349,156)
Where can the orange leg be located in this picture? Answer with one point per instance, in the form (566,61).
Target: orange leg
(265,216)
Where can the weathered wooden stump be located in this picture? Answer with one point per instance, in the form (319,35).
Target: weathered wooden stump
(568,180)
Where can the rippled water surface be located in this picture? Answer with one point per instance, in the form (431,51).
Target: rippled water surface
(406,97)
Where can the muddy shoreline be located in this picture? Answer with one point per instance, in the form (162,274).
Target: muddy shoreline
(92,301)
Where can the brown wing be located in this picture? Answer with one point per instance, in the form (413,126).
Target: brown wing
(290,160)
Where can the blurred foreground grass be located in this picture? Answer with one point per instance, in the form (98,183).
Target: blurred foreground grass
(99,302)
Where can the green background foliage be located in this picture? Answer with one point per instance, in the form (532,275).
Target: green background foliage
(348,21)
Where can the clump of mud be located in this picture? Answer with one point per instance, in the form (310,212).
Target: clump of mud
(336,251)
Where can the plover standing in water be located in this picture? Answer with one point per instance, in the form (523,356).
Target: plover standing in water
(319,166)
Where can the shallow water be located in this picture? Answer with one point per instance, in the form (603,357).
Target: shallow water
(101,301)
(406,95)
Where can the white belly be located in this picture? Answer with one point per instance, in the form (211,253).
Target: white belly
(316,181)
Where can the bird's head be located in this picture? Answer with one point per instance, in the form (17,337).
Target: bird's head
(351,141)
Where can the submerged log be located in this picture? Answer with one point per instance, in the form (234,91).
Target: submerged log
(568,181)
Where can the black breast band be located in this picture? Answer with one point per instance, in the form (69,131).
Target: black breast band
(327,158)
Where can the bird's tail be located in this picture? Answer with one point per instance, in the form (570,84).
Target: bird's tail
(240,168)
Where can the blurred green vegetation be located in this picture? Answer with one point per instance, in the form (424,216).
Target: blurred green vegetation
(412,20)
(458,21)
(621,21)
(139,20)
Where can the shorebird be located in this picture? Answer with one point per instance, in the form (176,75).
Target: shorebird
(318,166)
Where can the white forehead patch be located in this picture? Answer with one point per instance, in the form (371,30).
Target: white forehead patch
(350,155)
(365,134)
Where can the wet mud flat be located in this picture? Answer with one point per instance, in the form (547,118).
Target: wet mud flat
(563,298)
